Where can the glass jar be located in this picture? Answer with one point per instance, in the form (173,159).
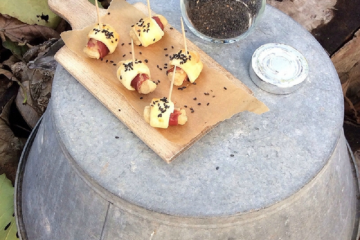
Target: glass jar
(222,21)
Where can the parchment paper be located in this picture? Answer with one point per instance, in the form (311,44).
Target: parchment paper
(216,96)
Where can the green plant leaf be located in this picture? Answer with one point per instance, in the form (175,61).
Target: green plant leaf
(30,12)
(15,48)
(8,229)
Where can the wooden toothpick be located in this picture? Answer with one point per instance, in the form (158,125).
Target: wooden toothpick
(183,32)
(132,52)
(98,14)
(172,83)
(149,9)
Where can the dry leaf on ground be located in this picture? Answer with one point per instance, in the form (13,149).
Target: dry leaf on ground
(309,13)
(347,64)
(34,95)
(20,32)
(10,146)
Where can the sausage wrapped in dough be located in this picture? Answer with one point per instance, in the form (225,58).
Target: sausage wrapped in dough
(101,41)
(188,67)
(161,114)
(148,30)
(135,76)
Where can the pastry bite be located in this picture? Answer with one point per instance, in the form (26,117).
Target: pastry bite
(135,77)
(188,67)
(161,114)
(101,41)
(148,30)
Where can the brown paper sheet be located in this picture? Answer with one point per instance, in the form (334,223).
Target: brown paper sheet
(225,95)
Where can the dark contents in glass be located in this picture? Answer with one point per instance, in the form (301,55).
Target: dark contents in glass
(222,18)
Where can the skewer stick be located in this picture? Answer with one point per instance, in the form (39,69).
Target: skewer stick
(172,83)
(132,51)
(149,9)
(98,14)
(183,33)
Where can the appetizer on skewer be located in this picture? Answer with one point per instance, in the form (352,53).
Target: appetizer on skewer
(188,65)
(135,75)
(161,114)
(148,30)
(102,39)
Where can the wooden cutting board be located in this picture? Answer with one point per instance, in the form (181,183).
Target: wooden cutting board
(80,14)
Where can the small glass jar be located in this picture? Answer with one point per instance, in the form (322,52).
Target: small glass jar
(222,21)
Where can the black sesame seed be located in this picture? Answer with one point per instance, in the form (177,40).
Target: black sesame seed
(185,106)
(108,13)
(107,60)
(160,69)
(116,137)
(171,28)
(194,83)
(114,64)
(146,61)
(7,226)
(124,55)
(185,30)
(140,53)
(194,99)
(225,88)
(165,67)
(122,44)
(166,55)
(112,41)
(101,59)
(130,52)
(157,66)
(111,61)
(217,168)
(119,110)
(165,49)
(132,25)
(213,96)
(141,97)
(154,40)
(129,43)
(207,104)
(172,47)
(199,104)
(231,155)
(160,115)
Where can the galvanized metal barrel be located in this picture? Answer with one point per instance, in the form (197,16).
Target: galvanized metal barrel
(286,174)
